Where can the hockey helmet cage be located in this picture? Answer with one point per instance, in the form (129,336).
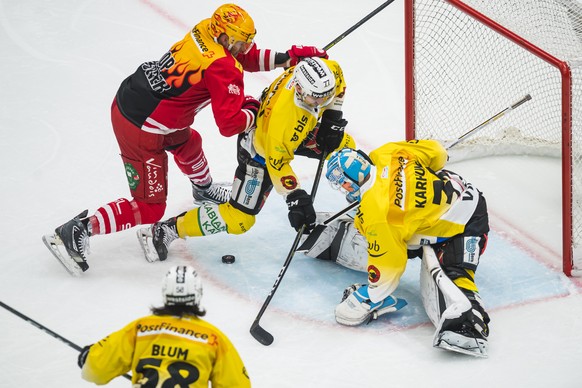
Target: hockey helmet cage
(235,22)
(182,286)
(348,170)
(314,82)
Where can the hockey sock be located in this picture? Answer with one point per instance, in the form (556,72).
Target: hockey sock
(191,160)
(124,214)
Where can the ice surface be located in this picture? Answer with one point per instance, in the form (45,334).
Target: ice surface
(61,65)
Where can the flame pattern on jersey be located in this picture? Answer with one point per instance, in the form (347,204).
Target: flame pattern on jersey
(164,96)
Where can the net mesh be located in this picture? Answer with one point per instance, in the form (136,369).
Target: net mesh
(465,72)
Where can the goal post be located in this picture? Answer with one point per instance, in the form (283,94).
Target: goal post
(466,59)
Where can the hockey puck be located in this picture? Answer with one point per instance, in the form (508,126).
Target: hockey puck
(228,259)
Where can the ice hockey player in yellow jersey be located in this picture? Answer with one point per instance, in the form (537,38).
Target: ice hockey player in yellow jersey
(300,114)
(173,347)
(409,206)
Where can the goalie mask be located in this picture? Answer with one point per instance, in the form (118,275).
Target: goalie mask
(182,286)
(314,82)
(347,171)
(236,23)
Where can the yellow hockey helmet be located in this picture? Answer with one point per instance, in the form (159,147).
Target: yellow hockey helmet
(233,21)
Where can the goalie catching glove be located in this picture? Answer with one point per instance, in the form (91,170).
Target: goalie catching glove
(357,308)
(301,211)
(331,130)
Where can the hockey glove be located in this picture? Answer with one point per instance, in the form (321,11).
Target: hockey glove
(297,53)
(252,105)
(301,211)
(331,130)
(83,356)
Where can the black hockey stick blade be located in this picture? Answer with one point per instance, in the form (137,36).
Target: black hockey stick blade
(260,334)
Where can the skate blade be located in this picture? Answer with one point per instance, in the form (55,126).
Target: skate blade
(144,235)
(53,242)
(481,351)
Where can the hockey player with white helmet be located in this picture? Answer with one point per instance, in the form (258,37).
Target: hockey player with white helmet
(171,347)
(409,206)
(300,114)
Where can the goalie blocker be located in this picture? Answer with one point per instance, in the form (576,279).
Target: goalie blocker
(458,315)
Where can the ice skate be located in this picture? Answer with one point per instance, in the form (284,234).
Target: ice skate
(144,235)
(156,239)
(468,337)
(465,340)
(357,308)
(73,236)
(215,192)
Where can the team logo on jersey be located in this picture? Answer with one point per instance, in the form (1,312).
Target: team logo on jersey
(399,183)
(210,220)
(277,164)
(154,178)
(289,182)
(471,255)
(233,89)
(198,39)
(299,127)
(133,178)
(373,274)
(374,249)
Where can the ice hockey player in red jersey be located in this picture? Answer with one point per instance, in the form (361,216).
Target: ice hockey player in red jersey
(172,347)
(152,114)
(409,206)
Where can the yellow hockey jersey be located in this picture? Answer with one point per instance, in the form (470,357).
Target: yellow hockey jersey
(283,124)
(407,205)
(167,351)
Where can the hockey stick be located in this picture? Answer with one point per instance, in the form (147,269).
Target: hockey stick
(358,24)
(47,330)
(260,334)
(467,134)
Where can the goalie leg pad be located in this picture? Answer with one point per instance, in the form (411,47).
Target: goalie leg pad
(338,241)
(438,292)
(460,326)
(353,252)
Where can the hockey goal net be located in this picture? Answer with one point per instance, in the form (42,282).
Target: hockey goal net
(468,60)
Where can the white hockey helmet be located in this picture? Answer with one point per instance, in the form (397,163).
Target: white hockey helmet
(314,82)
(182,286)
(347,171)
